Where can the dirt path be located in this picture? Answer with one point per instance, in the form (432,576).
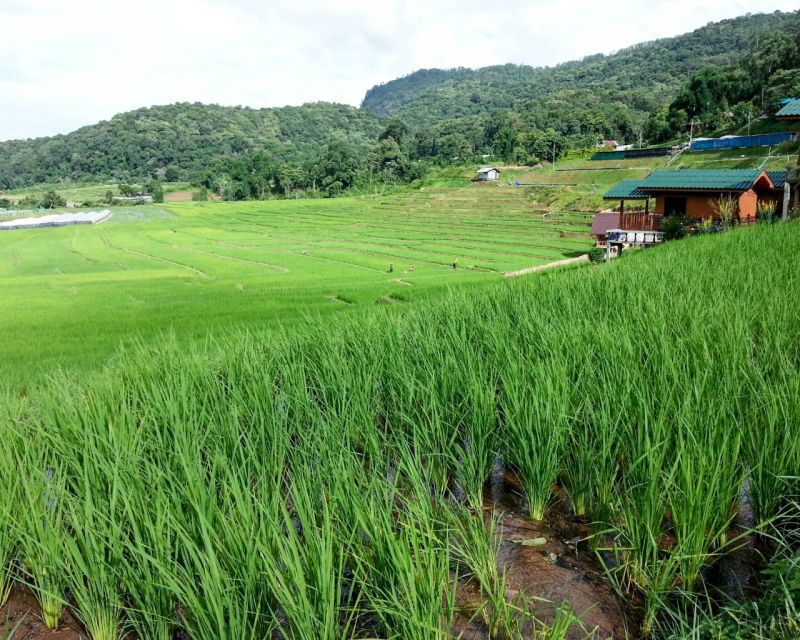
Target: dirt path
(544,267)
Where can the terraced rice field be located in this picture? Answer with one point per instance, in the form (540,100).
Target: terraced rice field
(192,267)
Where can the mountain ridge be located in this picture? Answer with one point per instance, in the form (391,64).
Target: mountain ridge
(714,44)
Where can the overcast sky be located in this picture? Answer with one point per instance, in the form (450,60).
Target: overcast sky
(69,63)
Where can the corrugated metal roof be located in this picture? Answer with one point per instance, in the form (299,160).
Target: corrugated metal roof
(626,190)
(792,109)
(603,222)
(701,179)
(778,178)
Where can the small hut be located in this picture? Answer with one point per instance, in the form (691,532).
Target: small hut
(488,173)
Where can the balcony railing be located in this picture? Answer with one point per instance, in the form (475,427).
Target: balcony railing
(640,222)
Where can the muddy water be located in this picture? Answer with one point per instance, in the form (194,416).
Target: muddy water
(561,571)
(735,575)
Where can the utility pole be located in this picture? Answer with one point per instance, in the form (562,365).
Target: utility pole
(554,156)
(691,132)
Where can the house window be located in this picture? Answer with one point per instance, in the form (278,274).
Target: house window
(675,207)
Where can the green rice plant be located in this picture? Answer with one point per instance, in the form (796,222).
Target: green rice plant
(416,417)
(42,534)
(564,621)
(403,565)
(219,581)
(533,402)
(476,545)
(92,558)
(477,445)
(305,564)
(638,525)
(702,495)
(150,552)
(12,504)
(771,444)
(579,467)
(604,432)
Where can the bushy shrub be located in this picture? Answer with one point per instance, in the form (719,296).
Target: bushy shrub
(766,212)
(51,200)
(597,255)
(673,228)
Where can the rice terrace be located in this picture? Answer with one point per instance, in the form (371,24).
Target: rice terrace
(508,353)
(156,267)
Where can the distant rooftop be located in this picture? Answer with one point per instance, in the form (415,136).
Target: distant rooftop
(604,222)
(778,178)
(790,110)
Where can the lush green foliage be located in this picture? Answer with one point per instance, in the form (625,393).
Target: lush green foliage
(730,98)
(516,113)
(182,140)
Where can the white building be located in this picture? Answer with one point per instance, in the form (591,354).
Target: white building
(488,173)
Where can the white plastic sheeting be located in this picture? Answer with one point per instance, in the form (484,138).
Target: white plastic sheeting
(56,220)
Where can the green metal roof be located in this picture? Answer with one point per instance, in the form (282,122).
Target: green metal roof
(701,179)
(778,178)
(691,180)
(792,109)
(626,190)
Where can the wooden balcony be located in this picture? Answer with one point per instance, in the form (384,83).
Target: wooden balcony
(640,222)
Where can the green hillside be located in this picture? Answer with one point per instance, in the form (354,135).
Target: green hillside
(638,79)
(183,139)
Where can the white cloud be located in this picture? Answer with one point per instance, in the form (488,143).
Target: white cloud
(68,64)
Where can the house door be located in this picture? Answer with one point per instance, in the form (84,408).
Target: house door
(675,207)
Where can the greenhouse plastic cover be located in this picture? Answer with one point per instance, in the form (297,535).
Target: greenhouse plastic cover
(56,220)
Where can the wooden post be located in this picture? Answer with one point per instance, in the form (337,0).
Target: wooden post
(647,206)
(786,194)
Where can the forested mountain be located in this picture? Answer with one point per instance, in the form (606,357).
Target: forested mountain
(718,77)
(729,98)
(638,79)
(647,93)
(182,139)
